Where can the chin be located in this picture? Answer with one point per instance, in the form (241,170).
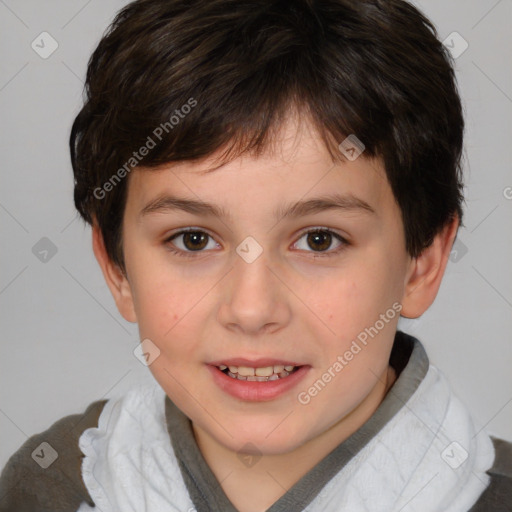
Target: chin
(266,440)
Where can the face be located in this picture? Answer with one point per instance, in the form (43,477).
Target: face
(255,283)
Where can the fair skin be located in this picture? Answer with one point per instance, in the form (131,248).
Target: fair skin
(294,302)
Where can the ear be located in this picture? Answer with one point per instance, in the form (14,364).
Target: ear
(116,280)
(426,272)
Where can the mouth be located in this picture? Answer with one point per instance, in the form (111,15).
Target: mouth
(258,374)
(257,380)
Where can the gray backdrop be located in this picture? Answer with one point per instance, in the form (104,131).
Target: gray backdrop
(65,345)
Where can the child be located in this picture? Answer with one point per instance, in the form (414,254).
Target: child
(270,185)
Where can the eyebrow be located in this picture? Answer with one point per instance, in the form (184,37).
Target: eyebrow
(345,202)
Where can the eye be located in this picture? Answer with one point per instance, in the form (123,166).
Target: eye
(321,239)
(190,240)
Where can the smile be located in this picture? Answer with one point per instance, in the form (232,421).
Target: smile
(261,374)
(257,380)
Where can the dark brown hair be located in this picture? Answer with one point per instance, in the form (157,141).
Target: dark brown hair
(373,68)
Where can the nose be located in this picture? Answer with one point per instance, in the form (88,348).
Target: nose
(254,299)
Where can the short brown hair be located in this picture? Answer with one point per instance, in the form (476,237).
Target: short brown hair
(373,68)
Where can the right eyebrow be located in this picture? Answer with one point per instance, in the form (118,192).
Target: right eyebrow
(167,203)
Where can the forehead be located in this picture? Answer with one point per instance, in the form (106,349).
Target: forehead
(296,166)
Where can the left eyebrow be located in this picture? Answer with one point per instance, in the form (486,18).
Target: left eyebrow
(344,202)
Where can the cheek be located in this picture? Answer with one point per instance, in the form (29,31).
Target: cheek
(358,295)
(162,298)
(360,305)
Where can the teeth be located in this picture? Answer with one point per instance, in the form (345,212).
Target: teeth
(267,371)
(245,371)
(262,374)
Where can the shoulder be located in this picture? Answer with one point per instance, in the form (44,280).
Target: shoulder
(498,495)
(44,474)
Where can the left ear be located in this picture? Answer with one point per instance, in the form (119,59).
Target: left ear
(426,272)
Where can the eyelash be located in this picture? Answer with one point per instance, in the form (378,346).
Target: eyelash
(317,254)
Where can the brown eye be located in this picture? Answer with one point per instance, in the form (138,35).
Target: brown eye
(319,240)
(195,240)
(186,242)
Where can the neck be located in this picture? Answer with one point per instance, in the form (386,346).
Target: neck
(257,488)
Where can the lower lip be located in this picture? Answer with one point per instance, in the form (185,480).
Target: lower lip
(257,391)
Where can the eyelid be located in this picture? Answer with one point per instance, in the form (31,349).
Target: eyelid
(322,228)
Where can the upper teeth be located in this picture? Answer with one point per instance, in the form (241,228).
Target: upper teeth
(265,371)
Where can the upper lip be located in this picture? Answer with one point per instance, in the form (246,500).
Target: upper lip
(254,363)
